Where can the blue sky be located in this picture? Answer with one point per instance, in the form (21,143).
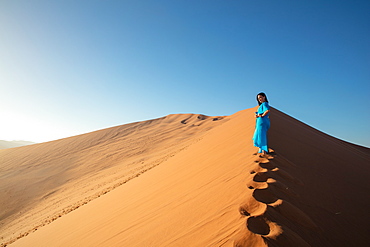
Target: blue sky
(71,67)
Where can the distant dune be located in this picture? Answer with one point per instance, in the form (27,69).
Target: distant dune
(13,144)
(187,180)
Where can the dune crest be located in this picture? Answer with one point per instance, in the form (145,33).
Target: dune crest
(266,212)
(187,180)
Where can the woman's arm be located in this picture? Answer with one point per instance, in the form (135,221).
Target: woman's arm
(264,113)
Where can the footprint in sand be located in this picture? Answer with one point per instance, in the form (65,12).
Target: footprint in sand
(260,177)
(266,202)
(268,165)
(258,225)
(265,195)
(252,208)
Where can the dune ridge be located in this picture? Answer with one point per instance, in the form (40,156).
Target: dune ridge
(266,212)
(209,188)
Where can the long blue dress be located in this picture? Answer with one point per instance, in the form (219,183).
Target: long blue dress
(262,125)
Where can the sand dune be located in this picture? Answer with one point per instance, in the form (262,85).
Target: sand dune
(39,183)
(187,180)
(13,144)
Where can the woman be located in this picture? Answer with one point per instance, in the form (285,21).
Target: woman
(262,124)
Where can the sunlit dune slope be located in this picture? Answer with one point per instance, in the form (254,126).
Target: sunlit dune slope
(39,183)
(207,186)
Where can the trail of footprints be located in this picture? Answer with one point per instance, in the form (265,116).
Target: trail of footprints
(267,209)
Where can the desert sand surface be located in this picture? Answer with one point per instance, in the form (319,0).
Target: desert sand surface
(187,180)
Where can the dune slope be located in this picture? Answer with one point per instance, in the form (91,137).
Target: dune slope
(334,178)
(207,188)
(39,183)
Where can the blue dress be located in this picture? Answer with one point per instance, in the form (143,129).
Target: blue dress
(262,125)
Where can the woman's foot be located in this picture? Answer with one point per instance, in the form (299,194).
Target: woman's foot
(263,154)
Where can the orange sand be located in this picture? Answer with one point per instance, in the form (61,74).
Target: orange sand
(187,180)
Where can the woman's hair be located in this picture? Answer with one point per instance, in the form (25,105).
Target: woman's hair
(264,95)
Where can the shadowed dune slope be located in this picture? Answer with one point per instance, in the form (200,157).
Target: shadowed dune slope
(335,177)
(200,184)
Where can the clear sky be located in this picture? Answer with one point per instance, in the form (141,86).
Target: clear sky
(71,67)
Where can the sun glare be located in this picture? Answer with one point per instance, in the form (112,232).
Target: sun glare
(23,127)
